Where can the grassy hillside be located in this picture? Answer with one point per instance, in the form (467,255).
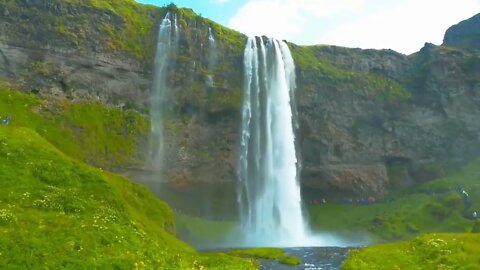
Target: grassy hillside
(202,232)
(434,251)
(436,206)
(59,213)
(88,131)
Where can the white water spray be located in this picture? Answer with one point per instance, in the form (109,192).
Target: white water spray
(211,39)
(166,49)
(212,58)
(269,193)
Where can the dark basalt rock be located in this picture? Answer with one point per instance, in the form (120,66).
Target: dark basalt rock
(465,35)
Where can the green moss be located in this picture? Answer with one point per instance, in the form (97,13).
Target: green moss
(290,260)
(266,253)
(334,77)
(203,232)
(386,89)
(137,25)
(435,251)
(41,68)
(476,227)
(231,40)
(226,99)
(89,131)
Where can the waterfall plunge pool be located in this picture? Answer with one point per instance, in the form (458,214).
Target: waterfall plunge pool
(312,258)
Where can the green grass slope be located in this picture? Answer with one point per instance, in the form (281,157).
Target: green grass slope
(277,254)
(436,206)
(433,251)
(56,212)
(89,131)
(201,232)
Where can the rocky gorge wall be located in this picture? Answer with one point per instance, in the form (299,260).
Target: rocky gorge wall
(370,120)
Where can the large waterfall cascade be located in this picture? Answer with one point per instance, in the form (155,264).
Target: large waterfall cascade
(269,192)
(165,51)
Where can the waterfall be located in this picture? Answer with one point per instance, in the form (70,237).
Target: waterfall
(166,49)
(212,58)
(269,192)
(211,39)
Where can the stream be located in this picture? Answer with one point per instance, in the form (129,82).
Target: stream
(313,258)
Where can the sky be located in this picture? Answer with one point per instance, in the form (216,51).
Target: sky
(401,25)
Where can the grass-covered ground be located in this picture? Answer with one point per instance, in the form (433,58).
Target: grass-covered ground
(266,253)
(204,233)
(431,251)
(436,206)
(56,212)
(88,131)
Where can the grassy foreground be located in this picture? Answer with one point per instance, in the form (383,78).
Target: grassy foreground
(56,212)
(432,251)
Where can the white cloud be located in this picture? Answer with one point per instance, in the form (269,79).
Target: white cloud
(275,18)
(402,25)
(286,18)
(321,8)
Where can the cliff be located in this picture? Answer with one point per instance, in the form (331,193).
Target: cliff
(465,34)
(370,120)
(387,120)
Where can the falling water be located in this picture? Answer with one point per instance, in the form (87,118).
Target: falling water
(211,39)
(166,49)
(212,58)
(269,193)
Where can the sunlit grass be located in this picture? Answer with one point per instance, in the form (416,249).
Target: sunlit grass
(89,131)
(432,251)
(60,213)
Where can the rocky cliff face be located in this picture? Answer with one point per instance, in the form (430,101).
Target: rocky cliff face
(67,48)
(465,34)
(358,141)
(369,120)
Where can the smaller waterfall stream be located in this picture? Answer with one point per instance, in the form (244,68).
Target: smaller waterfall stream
(212,58)
(211,39)
(166,49)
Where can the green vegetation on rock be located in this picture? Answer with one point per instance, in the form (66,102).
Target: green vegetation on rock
(89,131)
(133,34)
(203,232)
(435,206)
(335,77)
(266,253)
(432,251)
(60,213)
